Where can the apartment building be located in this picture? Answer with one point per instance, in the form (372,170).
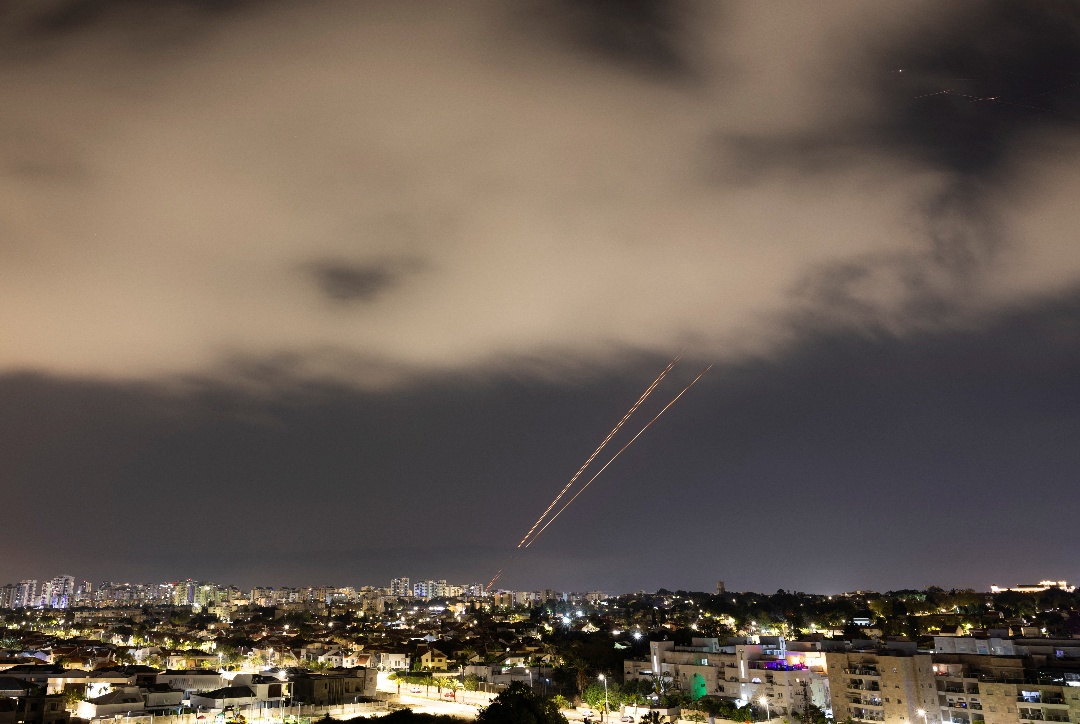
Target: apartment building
(893,686)
(739,670)
(984,689)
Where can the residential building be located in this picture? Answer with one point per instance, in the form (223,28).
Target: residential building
(238,697)
(739,670)
(8,595)
(26,595)
(432,660)
(191,682)
(34,709)
(342,686)
(125,701)
(975,688)
(893,686)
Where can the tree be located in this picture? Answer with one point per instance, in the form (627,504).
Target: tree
(636,691)
(408,716)
(594,695)
(519,705)
(814,715)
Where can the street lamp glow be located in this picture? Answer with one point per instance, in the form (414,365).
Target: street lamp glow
(604,679)
(765,703)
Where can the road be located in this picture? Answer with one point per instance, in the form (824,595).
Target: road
(466,706)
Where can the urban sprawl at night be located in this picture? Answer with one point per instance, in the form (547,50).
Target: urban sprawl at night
(184,651)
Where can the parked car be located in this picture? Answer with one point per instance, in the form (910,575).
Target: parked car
(415,690)
(627,718)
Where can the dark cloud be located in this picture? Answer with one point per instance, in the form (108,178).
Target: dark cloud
(68,16)
(342,281)
(654,37)
(985,79)
(959,91)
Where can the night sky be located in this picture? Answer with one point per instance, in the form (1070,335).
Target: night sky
(334,292)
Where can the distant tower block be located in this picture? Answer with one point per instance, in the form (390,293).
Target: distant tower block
(719,588)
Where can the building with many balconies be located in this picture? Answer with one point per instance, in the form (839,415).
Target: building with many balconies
(740,670)
(893,686)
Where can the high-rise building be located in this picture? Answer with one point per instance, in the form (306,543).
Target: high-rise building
(26,595)
(400,587)
(58,593)
(7,595)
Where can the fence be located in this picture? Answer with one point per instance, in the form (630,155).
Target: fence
(296,714)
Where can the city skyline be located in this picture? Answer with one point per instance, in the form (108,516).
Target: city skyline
(336,291)
(66,591)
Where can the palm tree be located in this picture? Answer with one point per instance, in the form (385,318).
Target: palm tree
(453,685)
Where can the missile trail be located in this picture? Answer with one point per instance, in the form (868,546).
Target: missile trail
(614,430)
(609,462)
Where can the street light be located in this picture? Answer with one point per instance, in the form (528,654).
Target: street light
(765,703)
(604,679)
(922,713)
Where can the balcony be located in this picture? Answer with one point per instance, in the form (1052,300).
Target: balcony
(863,671)
(860,685)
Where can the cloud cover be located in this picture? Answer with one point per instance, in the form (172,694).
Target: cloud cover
(372,192)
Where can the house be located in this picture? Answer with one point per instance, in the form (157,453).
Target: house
(229,696)
(338,686)
(394,660)
(126,700)
(337,658)
(160,699)
(34,709)
(269,690)
(432,660)
(101,682)
(57,679)
(190,660)
(13,688)
(191,682)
